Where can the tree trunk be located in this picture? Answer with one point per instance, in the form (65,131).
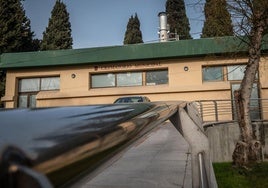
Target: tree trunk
(247,149)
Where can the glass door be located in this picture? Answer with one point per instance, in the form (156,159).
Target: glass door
(255,112)
(27,100)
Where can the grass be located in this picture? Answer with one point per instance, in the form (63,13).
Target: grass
(231,177)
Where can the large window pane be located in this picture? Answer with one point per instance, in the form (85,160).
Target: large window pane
(50,83)
(255,112)
(156,77)
(103,80)
(236,72)
(129,79)
(32,101)
(23,100)
(29,84)
(212,73)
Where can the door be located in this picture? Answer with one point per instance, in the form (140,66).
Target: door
(255,112)
(27,100)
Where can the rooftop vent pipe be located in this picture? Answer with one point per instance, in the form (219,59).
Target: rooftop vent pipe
(163,27)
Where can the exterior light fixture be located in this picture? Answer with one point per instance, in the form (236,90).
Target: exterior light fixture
(186,68)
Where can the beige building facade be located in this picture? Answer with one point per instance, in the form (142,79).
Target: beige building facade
(203,69)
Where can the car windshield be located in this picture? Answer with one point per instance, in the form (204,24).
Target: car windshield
(129,100)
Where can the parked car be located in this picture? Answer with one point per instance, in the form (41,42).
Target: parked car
(132,99)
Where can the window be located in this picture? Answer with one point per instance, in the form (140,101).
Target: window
(51,83)
(156,77)
(29,84)
(39,84)
(212,73)
(129,79)
(29,87)
(224,73)
(23,101)
(124,79)
(103,80)
(227,72)
(236,72)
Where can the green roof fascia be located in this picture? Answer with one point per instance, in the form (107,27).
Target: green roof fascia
(134,52)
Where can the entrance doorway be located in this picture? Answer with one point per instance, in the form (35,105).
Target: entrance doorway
(255,112)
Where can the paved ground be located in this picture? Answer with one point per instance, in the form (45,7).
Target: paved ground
(158,160)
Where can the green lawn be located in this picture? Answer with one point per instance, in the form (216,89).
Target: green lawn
(231,177)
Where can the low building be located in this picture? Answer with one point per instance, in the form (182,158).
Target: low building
(190,70)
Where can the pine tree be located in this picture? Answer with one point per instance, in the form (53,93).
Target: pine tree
(133,34)
(58,33)
(15,29)
(217,19)
(177,19)
(15,33)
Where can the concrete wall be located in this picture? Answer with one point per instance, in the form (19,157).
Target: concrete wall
(223,137)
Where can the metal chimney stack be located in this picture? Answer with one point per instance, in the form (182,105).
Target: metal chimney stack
(163,27)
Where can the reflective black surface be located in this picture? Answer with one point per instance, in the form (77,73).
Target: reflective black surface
(50,139)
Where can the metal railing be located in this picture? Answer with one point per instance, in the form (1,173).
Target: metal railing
(224,110)
(202,171)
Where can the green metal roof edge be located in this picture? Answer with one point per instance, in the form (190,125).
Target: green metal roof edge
(99,55)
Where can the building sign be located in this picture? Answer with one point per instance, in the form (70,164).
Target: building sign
(126,66)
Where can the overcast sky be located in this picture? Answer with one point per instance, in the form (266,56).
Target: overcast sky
(98,23)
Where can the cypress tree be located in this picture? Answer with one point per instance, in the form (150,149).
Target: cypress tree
(36,44)
(217,19)
(15,29)
(177,19)
(58,33)
(133,34)
(128,33)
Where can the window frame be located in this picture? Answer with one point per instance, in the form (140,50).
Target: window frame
(91,80)
(35,92)
(156,84)
(134,72)
(28,94)
(214,80)
(49,89)
(233,70)
(143,77)
(225,73)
